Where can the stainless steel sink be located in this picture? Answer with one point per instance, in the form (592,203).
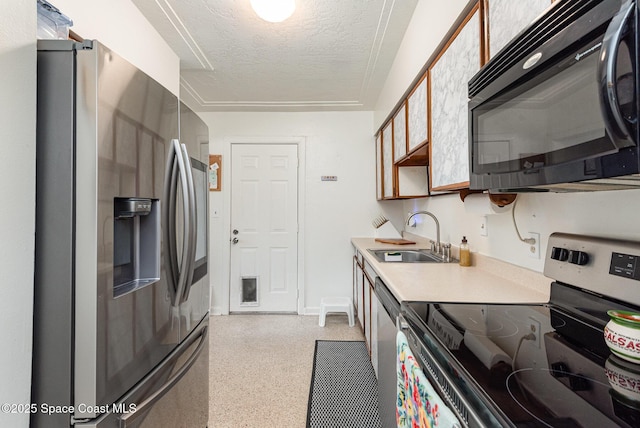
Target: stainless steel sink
(406,256)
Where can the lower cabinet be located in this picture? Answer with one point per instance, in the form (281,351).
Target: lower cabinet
(369,296)
(367,313)
(358,287)
(365,300)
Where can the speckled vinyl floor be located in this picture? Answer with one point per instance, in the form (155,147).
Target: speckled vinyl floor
(260,367)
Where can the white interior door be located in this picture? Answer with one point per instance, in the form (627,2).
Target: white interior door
(264,228)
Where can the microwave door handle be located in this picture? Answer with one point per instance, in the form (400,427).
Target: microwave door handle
(192,228)
(169,221)
(607,67)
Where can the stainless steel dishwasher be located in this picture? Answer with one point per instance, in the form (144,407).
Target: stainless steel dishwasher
(388,311)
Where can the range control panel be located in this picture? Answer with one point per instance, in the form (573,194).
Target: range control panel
(605,266)
(625,265)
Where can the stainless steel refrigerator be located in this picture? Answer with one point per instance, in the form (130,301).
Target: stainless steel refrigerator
(121,281)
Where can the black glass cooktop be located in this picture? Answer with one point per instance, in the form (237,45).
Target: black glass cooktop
(541,365)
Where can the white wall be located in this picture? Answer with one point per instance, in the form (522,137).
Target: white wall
(17,215)
(611,214)
(336,143)
(119,25)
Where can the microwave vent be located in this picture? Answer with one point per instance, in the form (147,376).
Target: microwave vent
(546,26)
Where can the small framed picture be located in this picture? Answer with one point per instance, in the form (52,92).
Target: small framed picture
(215,172)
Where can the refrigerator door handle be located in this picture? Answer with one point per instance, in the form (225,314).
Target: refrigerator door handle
(190,234)
(179,273)
(127,419)
(169,220)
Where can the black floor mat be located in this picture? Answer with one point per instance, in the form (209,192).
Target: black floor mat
(344,389)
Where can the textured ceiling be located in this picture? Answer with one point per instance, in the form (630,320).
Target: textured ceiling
(330,55)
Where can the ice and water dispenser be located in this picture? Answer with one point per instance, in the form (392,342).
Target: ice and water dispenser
(136,244)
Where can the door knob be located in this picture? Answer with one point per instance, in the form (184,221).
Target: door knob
(235,241)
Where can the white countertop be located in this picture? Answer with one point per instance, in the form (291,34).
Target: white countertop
(488,280)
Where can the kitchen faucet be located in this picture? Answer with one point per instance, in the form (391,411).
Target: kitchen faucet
(438,244)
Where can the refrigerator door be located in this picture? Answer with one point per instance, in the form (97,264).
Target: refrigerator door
(194,134)
(175,394)
(125,125)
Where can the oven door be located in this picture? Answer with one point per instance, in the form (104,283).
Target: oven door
(433,339)
(460,394)
(569,99)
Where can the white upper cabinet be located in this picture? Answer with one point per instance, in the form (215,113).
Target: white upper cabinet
(400,133)
(449,77)
(379,166)
(387,162)
(417,115)
(507,18)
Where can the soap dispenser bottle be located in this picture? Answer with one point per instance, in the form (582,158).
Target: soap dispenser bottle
(465,255)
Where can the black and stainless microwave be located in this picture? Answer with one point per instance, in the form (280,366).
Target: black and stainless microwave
(557,108)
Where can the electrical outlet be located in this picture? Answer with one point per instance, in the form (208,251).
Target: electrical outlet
(534,249)
(483,226)
(534,327)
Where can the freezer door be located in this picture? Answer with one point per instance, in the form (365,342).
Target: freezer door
(175,394)
(125,323)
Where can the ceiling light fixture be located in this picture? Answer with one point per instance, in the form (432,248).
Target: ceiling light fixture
(274,10)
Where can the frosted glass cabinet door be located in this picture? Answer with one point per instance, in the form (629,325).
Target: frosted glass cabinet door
(417,115)
(400,133)
(387,161)
(379,166)
(449,76)
(507,18)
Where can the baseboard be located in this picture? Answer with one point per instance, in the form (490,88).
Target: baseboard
(217,310)
(312,310)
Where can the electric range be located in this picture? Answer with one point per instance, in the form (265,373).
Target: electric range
(538,365)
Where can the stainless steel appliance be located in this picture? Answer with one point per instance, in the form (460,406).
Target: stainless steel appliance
(121,286)
(387,314)
(546,365)
(557,108)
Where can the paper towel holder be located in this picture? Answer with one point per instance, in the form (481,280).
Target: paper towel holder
(499,199)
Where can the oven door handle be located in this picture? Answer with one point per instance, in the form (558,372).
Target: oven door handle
(614,120)
(401,323)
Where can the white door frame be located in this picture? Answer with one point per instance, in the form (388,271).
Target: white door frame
(226,247)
